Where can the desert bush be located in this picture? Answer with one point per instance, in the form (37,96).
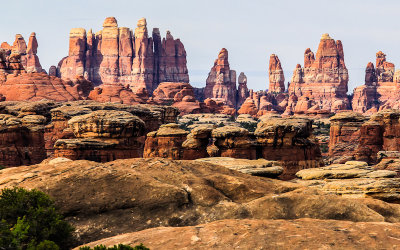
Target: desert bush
(29,220)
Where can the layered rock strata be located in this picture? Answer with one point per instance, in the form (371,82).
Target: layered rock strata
(289,141)
(38,86)
(103,136)
(381,88)
(116,55)
(221,81)
(21,140)
(322,82)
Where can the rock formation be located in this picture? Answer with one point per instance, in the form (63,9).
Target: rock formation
(243,91)
(381,88)
(178,94)
(27,55)
(21,140)
(38,86)
(344,135)
(32,60)
(117,56)
(276,76)
(355,137)
(147,193)
(323,80)
(166,142)
(34,127)
(289,141)
(310,234)
(103,136)
(221,81)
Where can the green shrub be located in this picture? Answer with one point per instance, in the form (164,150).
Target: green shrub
(250,126)
(29,220)
(116,247)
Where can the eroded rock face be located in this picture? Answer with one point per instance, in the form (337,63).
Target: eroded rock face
(379,134)
(381,88)
(289,141)
(353,136)
(179,193)
(43,123)
(21,140)
(103,136)
(276,76)
(180,95)
(354,179)
(26,54)
(221,81)
(310,234)
(344,135)
(166,142)
(243,91)
(38,86)
(117,56)
(324,78)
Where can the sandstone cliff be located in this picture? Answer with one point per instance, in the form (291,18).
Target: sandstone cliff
(117,55)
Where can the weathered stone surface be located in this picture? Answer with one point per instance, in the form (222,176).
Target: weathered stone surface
(117,93)
(265,234)
(349,170)
(243,91)
(234,142)
(221,81)
(117,56)
(276,76)
(259,167)
(178,94)
(32,60)
(21,140)
(166,142)
(103,136)
(344,135)
(38,86)
(289,141)
(159,192)
(380,90)
(248,107)
(324,78)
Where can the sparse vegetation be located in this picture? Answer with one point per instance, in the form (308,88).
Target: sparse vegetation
(29,220)
(251,127)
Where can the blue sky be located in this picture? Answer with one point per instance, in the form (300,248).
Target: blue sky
(251,30)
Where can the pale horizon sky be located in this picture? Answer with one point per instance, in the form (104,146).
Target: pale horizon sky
(251,30)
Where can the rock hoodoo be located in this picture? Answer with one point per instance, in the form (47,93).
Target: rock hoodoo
(221,81)
(276,76)
(116,55)
(381,88)
(322,83)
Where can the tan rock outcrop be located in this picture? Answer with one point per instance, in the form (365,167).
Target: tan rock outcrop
(103,136)
(265,234)
(148,193)
(21,140)
(289,141)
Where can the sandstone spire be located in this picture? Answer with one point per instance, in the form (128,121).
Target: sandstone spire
(221,81)
(32,60)
(276,76)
